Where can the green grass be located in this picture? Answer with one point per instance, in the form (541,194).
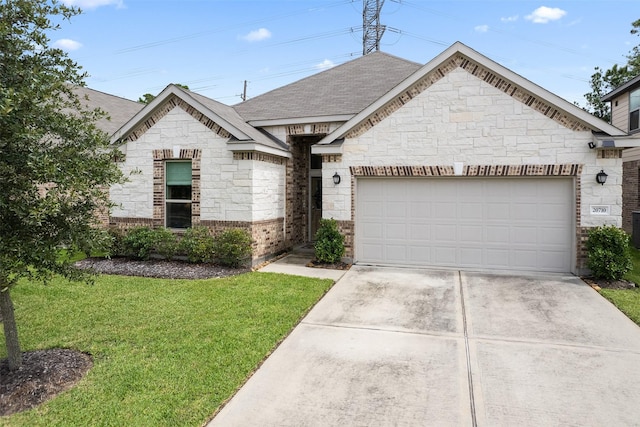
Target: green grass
(628,300)
(166,352)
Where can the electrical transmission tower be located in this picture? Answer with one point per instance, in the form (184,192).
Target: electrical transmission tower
(372,30)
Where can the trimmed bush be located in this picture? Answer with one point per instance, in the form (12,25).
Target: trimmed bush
(165,243)
(117,247)
(139,242)
(329,247)
(608,252)
(233,247)
(198,245)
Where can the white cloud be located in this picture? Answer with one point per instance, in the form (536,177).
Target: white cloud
(325,65)
(544,14)
(67,44)
(513,18)
(257,35)
(481,28)
(92,4)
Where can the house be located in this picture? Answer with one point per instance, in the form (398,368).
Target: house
(625,115)
(457,163)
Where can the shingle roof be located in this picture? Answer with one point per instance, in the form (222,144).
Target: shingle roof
(120,110)
(230,115)
(343,90)
(628,86)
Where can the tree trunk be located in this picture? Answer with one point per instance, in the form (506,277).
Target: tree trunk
(10,329)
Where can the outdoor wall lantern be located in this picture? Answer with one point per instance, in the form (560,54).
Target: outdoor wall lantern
(601,177)
(336,178)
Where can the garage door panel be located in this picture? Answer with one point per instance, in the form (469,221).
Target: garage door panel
(420,232)
(445,256)
(444,210)
(396,253)
(496,223)
(396,231)
(444,233)
(371,230)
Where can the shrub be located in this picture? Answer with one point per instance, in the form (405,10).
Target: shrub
(139,242)
(329,245)
(165,243)
(608,252)
(233,247)
(117,247)
(198,244)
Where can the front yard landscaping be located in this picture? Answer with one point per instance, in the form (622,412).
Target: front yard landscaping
(165,351)
(628,300)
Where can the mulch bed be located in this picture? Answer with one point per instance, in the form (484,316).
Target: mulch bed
(608,284)
(158,268)
(335,266)
(44,374)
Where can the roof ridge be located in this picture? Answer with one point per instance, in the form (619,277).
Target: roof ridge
(334,68)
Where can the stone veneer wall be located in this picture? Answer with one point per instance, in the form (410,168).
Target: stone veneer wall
(630,193)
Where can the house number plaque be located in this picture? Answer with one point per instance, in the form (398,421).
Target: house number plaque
(600,210)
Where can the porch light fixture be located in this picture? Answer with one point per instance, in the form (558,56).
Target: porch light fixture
(601,177)
(336,178)
(592,145)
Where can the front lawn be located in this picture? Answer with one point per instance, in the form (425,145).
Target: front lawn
(165,352)
(628,300)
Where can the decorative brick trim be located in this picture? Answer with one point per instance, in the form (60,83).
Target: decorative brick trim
(482,73)
(165,108)
(313,129)
(470,170)
(127,222)
(610,153)
(159,158)
(260,157)
(331,158)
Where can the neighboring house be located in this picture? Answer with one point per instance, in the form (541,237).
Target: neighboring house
(625,115)
(458,163)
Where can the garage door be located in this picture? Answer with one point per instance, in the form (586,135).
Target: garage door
(522,224)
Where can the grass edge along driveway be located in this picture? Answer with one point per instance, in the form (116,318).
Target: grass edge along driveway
(166,352)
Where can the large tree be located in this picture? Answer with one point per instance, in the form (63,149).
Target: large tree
(604,81)
(54,162)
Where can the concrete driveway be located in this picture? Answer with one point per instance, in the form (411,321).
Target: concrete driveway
(410,347)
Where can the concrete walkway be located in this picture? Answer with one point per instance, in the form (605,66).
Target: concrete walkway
(391,347)
(296,264)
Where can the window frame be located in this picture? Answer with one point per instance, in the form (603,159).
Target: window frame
(168,201)
(634,110)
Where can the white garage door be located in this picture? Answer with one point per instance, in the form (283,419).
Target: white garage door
(486,223)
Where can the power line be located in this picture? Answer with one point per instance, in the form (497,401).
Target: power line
(219,30)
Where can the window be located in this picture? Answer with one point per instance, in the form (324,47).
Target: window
(634,110)
(178,194)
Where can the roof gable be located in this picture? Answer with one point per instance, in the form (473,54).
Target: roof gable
(459,55)
(626,87)
(344,90)
(219,118)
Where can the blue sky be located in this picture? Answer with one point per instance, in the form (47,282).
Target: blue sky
(132,47)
